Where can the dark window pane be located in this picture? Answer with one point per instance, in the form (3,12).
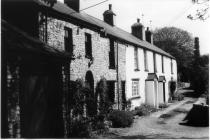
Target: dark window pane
(88,46)
(112,55)
(68,40)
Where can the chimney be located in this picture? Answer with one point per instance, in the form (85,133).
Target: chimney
(149,36)
(137,29)
(197,48)
(109,16)
(73,4)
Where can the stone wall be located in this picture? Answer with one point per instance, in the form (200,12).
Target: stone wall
(99,65)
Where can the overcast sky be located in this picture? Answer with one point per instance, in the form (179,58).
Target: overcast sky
(161,12)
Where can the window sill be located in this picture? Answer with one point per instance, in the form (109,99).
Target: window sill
(135,97)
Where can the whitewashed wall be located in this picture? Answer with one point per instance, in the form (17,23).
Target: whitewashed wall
(142,74)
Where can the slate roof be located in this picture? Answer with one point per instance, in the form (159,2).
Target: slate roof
(16,40)
(110,30)
(151,77)
(162,79)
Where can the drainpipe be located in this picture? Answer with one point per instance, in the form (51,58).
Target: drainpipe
(118,98)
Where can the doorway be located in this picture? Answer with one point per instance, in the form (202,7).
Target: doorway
(41,101)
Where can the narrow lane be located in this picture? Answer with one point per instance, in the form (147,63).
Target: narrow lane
(164,124)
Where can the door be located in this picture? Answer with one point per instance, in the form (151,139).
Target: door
(41,101)
(164,92)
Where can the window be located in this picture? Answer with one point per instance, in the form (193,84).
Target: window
(162,64)
(135,87)
(172,69)
(111,55)
(88,46)
(136,61)
(155,64)
(145,61)
(68,41)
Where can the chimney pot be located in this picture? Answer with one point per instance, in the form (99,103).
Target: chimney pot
(110,6)
(109,16)
(138,20)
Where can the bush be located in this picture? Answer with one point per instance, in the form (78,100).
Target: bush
(80,128)
(144,110)
(180,97)
(163,105)
(104,105)
(121,118)
(98,122)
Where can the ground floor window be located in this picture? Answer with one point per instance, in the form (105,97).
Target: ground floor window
(135,87)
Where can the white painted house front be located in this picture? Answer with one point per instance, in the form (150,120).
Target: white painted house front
(148,74)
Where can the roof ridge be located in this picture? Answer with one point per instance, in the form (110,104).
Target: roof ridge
(112,30)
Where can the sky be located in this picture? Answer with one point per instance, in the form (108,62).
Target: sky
(161,13)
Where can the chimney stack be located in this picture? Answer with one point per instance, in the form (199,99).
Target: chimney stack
(149,36)
(109,16)
(73,4)
(137,29)
(197,48)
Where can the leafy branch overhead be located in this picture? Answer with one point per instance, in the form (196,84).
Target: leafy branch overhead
(202,12)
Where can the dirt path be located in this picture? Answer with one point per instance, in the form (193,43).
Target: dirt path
(163,124)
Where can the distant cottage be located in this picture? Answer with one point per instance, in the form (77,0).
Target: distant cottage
(48,47)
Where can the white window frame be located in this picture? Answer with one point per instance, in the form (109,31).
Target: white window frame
(135,87)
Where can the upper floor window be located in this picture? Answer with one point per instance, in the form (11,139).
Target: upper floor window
(172,67)
(136,61)
(112,55)
(155,63)
(68,40)
(162,60)
(135,87)
(88,46)
(145,61)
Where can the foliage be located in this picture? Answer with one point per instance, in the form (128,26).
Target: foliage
(100,124)
(80,128)
(103,102)
(78,98)
(103,105)
(200,75)
(180,97)
(172,86)
(178,43)
(128,104)
(144,110)
(121,118)
(202,11)
(163,105)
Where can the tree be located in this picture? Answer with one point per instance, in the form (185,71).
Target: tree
(199,71)
(202,12)
(178,43)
